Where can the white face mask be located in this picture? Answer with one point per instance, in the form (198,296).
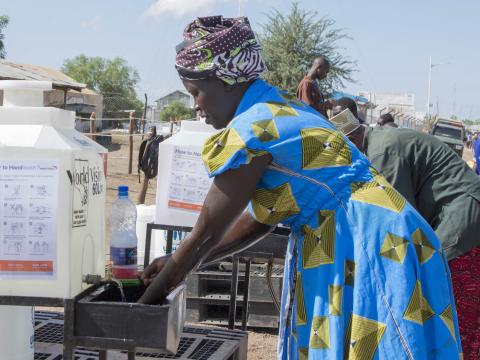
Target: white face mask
(345,122)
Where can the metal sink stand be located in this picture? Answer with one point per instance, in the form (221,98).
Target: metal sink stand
(264,249)
(70,340)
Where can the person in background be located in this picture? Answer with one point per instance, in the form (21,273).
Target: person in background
(468,143)
(387,120)
(446,192)
(148,160)
(476,153)
(347,103)
(308,90)
(365,277)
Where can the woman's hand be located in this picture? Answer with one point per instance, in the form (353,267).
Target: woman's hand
(153,269)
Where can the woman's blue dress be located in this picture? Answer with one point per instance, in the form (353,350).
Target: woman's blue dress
(365,275)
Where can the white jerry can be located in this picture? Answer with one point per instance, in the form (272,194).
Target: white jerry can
(182,180)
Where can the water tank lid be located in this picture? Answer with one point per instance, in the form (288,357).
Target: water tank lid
(24,92)
(25,85)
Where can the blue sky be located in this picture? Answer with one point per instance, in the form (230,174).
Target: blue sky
(392,40)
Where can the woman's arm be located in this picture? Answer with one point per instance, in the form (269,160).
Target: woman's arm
(241,235)
(227,198)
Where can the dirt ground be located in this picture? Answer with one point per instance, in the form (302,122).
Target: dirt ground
(262,344)
(468,156)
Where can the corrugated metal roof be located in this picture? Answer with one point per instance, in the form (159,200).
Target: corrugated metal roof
(14,71)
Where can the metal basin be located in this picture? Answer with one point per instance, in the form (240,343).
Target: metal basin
(102,314)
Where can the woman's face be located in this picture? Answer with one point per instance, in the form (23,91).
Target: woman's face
(213,101)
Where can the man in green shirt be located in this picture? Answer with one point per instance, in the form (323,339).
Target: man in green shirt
(387,120)
(445,191)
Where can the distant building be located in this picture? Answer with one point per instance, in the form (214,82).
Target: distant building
(401,105)
(83,102)
(67,93)
(363,105)
(176,96)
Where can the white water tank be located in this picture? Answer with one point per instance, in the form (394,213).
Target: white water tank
(182,182)
(145,215)
(52,208)
(16,333)
(52,192)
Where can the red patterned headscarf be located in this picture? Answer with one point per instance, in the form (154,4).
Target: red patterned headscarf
(220,47)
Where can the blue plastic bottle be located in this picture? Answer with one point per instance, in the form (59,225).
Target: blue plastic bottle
(123,238)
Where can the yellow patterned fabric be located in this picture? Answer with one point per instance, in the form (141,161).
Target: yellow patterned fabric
(394,248)
(380,193)
(418,310)
(265,130)
(349,271)
(448,318)
(292,100)
(273,206)
(303,353)
(335,297)
(281,109)
(362,338)
(324,148)
(301,313)
(320,334)
(319,243)
(219,148)
(423,246)
(225,147)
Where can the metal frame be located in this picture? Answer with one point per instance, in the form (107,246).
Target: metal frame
(103,344)
(70,341)
(170,229)
(246,256)
(196,342)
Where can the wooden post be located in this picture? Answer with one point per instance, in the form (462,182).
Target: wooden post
(142,126)
(130,144)
(143,191)
(92,126)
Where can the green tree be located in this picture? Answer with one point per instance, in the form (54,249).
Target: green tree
(112,78)
(176,111)
(3,24)
(291,42)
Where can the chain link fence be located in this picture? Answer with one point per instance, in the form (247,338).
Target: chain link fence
(121,131)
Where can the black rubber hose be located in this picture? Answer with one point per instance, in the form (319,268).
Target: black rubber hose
(270,285)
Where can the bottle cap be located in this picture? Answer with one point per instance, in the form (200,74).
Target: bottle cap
(123,190)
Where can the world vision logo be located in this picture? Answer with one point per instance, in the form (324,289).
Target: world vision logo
(81,180)
(81,184)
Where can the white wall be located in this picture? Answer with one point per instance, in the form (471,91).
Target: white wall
(389,102)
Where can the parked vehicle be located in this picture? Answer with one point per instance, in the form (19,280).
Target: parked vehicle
(451,132)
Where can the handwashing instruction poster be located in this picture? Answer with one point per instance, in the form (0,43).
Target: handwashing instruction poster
(189,182)
(28,205)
